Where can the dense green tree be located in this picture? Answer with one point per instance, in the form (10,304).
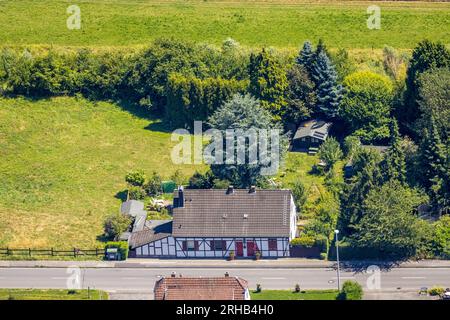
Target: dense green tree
(351,146)
(343,64)
(389,224)
(321,48)
(136,178)
(268,82)
(192,99)
(301,97)
(153,187)
(244,113)
(366,176)
(151,68)
(201,180)
(116,224)
(330,152)
(434,100)
(394,163)
(435,162)
(329,91)
(306,56)
(441,238)
(300,195)
(426,55)
(366,106)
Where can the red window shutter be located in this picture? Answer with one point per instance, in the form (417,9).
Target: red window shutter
(273,244)
(184,245)
(196,245)
(224,245)
(211,245)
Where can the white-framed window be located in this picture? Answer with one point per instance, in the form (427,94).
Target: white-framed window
(190,245)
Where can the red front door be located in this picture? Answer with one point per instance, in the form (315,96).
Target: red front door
(250,248)
(239,249)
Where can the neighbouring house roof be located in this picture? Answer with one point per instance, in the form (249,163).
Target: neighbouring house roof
(240,213)
(208,288)
(139,222)
(314,128)
(133,208)
(154,230)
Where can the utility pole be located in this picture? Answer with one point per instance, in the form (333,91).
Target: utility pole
(337,258)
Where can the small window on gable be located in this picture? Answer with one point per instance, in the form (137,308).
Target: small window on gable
(273,246)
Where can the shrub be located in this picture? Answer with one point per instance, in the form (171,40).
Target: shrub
(436,291)
(351,290)
(330,152)
(304,241)
(135,178)
(122,247)
(300,195)
(154,185)
(441,237)
(323,256)
(192,99)
(136,193)
(116,224)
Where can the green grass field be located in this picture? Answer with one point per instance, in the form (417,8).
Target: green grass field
(63,167)
(51,294)
(281,23)
(63,163)
(291,295)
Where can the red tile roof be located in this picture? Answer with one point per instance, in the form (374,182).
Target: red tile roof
(190,288)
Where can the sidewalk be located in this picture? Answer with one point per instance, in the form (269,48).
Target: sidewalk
(284,263)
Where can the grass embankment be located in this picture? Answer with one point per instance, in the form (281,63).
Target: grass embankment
(291,295)
(52,294)
(281,23)
(62,168)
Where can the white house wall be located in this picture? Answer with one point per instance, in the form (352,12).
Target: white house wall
(171,247)
(293,222)
(159,248)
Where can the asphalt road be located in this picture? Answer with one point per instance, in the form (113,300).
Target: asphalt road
(118,279)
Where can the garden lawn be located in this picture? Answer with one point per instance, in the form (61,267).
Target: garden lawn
(291,295)
(280,23)
(62,168)
(51,294)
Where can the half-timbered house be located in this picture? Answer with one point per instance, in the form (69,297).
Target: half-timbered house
(212,223)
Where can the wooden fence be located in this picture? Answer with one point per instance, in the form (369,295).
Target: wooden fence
(75,252)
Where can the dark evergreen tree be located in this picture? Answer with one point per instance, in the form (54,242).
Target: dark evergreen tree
(305,56)
(427,55)
(329,91)
(321,47)
(394,163)
(435,167)
(301,96)
(366,176)
(268,82)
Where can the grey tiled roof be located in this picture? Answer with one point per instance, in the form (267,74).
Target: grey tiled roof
(133,208)
(214,213)
(313,128)
(158,230)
